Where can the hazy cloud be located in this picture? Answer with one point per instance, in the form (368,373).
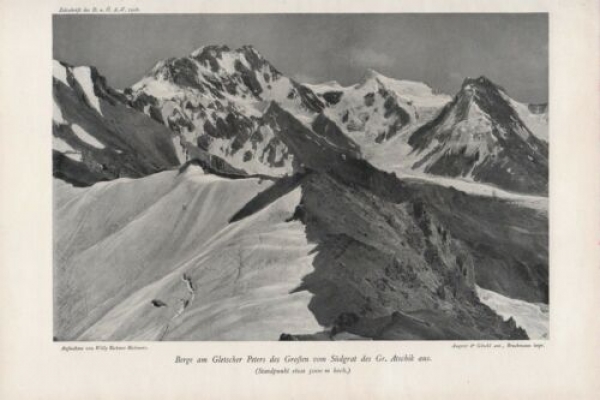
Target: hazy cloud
(369,58)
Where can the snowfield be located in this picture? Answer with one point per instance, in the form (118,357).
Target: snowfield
(529,316)
(57,116)
(86,137)
(122,244)
(83,75)
(59,72)
(537,123)
(61,146)
(179,149)
(479,189)
(396,157)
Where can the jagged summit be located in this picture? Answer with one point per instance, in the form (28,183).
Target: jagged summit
(480,136)
(481,80)
(481,83)
(213,62)
(217,49)
(490,98)
(378,108)
(376,79)
(210,48)
(248,48)
(370,74)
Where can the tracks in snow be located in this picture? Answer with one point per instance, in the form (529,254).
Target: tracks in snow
(183,303)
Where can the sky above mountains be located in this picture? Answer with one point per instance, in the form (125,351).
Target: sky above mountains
(439,49)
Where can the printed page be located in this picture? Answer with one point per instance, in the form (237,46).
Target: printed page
(299,200)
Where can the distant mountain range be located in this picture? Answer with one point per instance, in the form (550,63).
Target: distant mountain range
(266,208)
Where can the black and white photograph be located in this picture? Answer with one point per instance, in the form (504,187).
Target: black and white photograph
(300,177)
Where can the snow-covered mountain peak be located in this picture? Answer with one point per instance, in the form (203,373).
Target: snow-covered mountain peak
(216,98)
(480,80)
(482,135)
(214,75)
(374,80)
(378,107)
(495,101)
(401,87)
(369,75)
(220,66)
(249,49)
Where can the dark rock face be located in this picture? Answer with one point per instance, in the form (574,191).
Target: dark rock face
(184,73)
(77,173)
(233,126)
(209,55)
(369,99)
(508,244)
(103,90)
(214,165)
(332,98)
(378,257)
(367,264)
(255,60)
(249,77)
(392,108)
(310,101)
(400,116)
(329,130)
(317,150)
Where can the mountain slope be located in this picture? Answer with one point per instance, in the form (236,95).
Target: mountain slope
(479,135)
(97,137)
(535,117)
(376,258)
(110,270)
